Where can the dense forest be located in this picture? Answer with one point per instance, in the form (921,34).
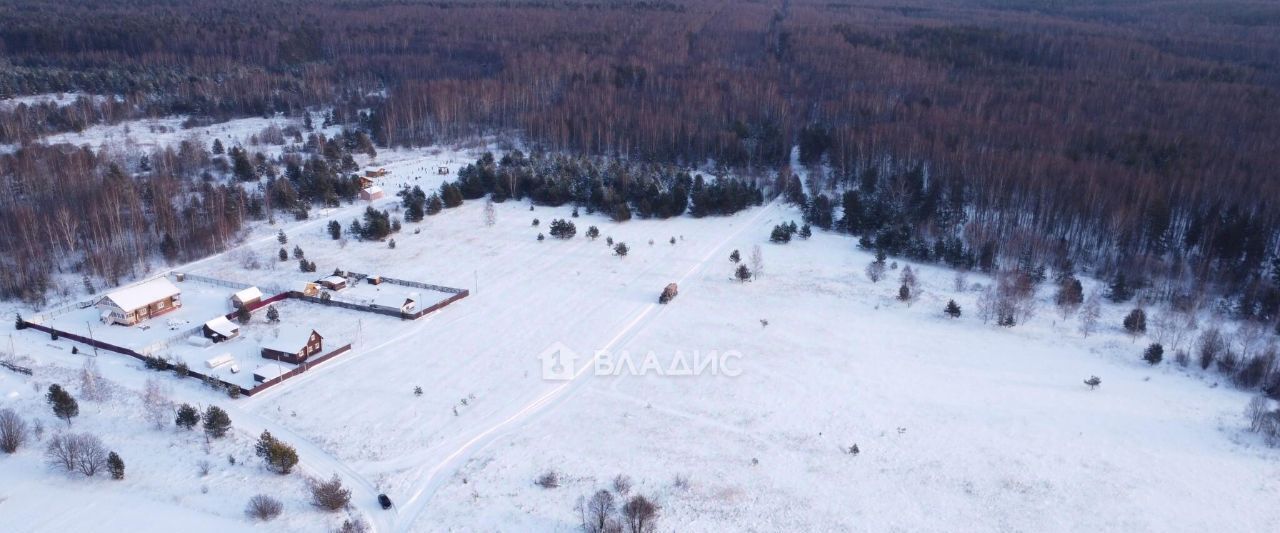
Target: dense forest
(1132,137)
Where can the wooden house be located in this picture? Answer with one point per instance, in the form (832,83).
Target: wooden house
(220,329)
(333,283)
(394,302)
(249,296)
(134,304)
(366,182)
(293,346)
(370,194)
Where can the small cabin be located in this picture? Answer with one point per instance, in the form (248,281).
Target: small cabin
(268,372)
(443,171)
(374,280)
(365,182)
(309,289)
(376,173)
(293,346)
(220,329)
(370,194)
(140,302)
(249,296)
(333,283)
(394,302)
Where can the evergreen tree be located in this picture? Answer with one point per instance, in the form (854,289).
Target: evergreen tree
(335,230)
(282,238)
(743,273)
(434,204)
(216,422)
(621,249)
(283,255)
(187,417)
(217,147)
(243,315)
(593,233)
(1093,382)
(298,253)
(1136,322)
(64,406)
(115,465)
(242,167)
(805,232)
(904,293)
(273,315)
(1153,354)
(1119,291)
(780,235)
(563,229)
(953,309)
(735,257)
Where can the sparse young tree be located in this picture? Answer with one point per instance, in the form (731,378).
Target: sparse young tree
(491,214)
(92,385)
(953,309)
(216,422)
(330,495)
(1090,314)
(757,261)
(875,271)
(156,404)
(1093,382)
(13,431)
(1211,346)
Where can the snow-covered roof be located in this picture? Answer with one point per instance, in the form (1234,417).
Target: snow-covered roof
(373,190)
(289,340)
(222,326)
(333,279)
(269,371)
(142,294)
(249,294)
(390,299)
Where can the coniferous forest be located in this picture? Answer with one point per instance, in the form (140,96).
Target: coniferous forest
(1132,139)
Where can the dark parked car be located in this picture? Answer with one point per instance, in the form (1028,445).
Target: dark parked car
(384,501)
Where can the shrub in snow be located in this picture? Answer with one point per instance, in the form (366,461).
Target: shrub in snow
(621,249)
(330,495)
(548,480)
(13,431)
(353,525)
(263,507)
(1153,354)
(1093,382)
(622,484)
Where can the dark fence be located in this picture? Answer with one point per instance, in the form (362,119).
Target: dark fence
(415,284)
(16,368)
(311,363)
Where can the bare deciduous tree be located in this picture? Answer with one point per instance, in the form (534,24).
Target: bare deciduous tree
(640,515)
(156,404)
(13,431)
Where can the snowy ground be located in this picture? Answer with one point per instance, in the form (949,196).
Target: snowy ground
(962,426)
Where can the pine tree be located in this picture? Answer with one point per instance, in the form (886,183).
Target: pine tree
(187,417)
(282,238)
(593,233)
(243,315)
(780,234)
(1093,382)
(434,204)
(621,249)
(273,315)
(298,253)
(115,465)
(952,309)
(283,255)
(335,230)
(217,147)
(1153,354)
(743,273)
(216,422)
(1119,291)
(735,257)
(904,293)
(805,232)
(64,406)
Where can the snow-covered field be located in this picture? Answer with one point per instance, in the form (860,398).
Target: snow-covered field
(961,426)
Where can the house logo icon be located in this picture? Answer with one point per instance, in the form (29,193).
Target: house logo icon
(558,362)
